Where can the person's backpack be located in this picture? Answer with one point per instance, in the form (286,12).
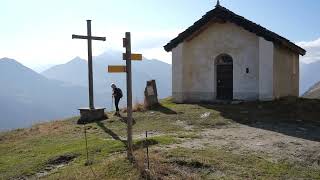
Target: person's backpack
(120,93)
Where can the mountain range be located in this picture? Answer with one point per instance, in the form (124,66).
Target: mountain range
(76,72)
(310,80)
(309,76)
(313,92)
(28,97)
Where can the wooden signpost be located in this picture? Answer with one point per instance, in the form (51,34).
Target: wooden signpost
(128,56)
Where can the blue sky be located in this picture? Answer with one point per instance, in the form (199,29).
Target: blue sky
(38,32)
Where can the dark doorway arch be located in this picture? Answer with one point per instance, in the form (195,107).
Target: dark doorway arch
(224,80)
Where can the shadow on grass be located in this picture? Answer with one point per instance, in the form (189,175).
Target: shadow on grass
(111,133)
(299,118)
(137,145)
(163,109)
(124,120)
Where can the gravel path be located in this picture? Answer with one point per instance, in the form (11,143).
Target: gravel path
(284,142)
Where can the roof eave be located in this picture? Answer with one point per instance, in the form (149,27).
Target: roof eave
(236,19)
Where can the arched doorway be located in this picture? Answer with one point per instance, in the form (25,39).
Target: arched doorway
(224,72)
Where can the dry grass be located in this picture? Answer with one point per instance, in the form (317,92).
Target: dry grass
(137,107)
(52,128)
(160,168)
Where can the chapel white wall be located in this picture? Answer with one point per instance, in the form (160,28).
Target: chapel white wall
(286,72)
(266,58)
(199,56)
(177,74)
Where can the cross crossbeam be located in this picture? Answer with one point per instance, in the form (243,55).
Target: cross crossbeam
(86,37)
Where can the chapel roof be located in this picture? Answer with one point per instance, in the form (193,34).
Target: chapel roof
(222,14)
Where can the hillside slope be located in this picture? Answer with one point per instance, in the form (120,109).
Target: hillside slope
(313,92)
(309,75)
(27,97)
(271,140)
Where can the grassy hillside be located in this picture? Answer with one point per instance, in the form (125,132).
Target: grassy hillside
(186,142)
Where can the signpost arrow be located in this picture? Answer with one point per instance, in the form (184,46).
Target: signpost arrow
(117,69)
(134,57)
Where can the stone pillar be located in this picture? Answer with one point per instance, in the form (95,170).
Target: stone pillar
(151,94)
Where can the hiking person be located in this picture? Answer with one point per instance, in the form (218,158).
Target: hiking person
(117,95)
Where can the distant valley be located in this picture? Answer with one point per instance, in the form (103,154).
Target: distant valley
(309,76)
(28,97)
(313,92)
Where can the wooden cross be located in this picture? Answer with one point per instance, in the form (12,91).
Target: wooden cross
(89,37)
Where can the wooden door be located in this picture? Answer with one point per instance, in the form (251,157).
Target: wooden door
(225,81)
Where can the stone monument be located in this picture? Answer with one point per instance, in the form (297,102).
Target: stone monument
(151,94)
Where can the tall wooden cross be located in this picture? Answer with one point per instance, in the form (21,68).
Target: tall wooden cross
(89,37)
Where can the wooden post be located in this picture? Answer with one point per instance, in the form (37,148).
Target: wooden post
(129,95)
(147,144)
(118,69)
(90,72)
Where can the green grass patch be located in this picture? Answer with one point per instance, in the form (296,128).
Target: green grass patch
(168,102)
(115,167)
(24,152)
(28,157)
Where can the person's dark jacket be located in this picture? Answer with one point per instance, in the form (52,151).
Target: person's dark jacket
(117,93)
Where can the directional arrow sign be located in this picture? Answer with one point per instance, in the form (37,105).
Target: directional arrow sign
(134,57)
(117,69)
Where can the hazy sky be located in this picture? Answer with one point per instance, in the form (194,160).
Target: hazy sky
(38,32)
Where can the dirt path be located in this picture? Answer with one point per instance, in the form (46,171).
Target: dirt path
(273,145)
